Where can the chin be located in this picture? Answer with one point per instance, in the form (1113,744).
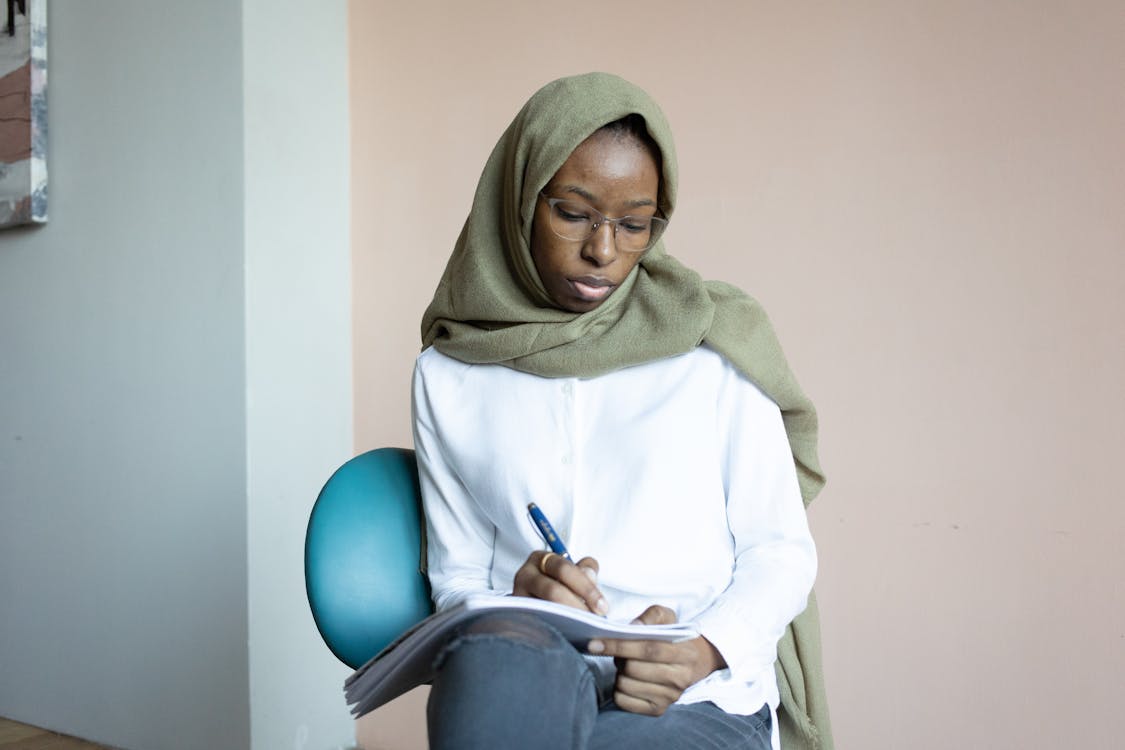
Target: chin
(580,305)
(565,298)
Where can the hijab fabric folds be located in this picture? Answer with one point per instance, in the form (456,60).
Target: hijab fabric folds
(491,307)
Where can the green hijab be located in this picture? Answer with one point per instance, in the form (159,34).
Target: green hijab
(491,307)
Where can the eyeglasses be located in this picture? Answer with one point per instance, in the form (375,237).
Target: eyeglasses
(578,222)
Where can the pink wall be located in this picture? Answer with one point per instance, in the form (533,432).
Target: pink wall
(927,196)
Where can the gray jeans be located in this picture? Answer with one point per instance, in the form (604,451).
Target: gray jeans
(510,681)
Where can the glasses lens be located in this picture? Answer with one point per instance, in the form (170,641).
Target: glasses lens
(573,221)
(638,233)
(576,221)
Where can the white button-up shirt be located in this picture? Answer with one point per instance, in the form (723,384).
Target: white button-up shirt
(675,474)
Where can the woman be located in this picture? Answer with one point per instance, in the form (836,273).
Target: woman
(571,362)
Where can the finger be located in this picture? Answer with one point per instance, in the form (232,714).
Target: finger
(654,651)
(537,564)
(674,676)
(656,693)
(578,580)
(657,615)
(531,581)
(545,575)
(644,697)
(590,567)
(539,586)
(525,574)
(637,705)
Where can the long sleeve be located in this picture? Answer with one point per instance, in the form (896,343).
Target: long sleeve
(460,537)
(775,559)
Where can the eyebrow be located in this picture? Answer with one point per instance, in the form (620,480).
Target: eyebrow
(583,193)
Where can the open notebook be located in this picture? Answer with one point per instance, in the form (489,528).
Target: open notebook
(408,661)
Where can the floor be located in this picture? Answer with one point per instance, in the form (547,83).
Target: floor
(16,736)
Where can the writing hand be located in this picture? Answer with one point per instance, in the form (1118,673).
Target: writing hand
(557,579)
(652,675)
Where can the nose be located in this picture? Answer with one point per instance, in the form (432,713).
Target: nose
(601,247)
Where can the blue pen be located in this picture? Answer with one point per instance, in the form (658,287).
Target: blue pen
(547,531)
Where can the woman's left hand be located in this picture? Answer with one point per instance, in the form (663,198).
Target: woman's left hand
(652,675)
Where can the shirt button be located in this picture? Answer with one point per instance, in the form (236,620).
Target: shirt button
(566,460)
(568,389)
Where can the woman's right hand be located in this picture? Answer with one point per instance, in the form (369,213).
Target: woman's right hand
(546,575)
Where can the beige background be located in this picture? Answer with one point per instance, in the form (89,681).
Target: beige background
(927,196)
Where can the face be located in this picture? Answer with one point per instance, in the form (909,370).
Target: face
(618,177)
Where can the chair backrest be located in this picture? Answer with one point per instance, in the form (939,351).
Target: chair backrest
(363,553)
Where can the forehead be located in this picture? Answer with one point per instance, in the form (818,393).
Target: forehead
(610,162)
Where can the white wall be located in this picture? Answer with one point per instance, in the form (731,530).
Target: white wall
(122,390)
(175,378)
(298,353)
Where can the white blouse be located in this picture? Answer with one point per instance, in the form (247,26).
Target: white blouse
(675,474)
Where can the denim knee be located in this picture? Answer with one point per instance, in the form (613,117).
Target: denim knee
(504,677)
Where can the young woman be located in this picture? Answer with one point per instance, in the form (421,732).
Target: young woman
(571,362)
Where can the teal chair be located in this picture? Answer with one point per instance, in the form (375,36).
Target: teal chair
(363,552)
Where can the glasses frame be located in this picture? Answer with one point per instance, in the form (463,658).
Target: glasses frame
(659,224)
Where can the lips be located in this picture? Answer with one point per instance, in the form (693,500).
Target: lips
(591,288)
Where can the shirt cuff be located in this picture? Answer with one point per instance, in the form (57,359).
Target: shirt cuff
(746,649)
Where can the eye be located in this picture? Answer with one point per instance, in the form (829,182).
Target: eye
(635,224)
(572,212)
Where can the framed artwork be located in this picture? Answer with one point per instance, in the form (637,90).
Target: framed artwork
(23,113)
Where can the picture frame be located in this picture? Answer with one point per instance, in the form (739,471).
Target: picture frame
(23,113)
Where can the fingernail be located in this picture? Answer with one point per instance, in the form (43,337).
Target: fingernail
(591,574)
(636,621)
(595,647)
(602,607)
